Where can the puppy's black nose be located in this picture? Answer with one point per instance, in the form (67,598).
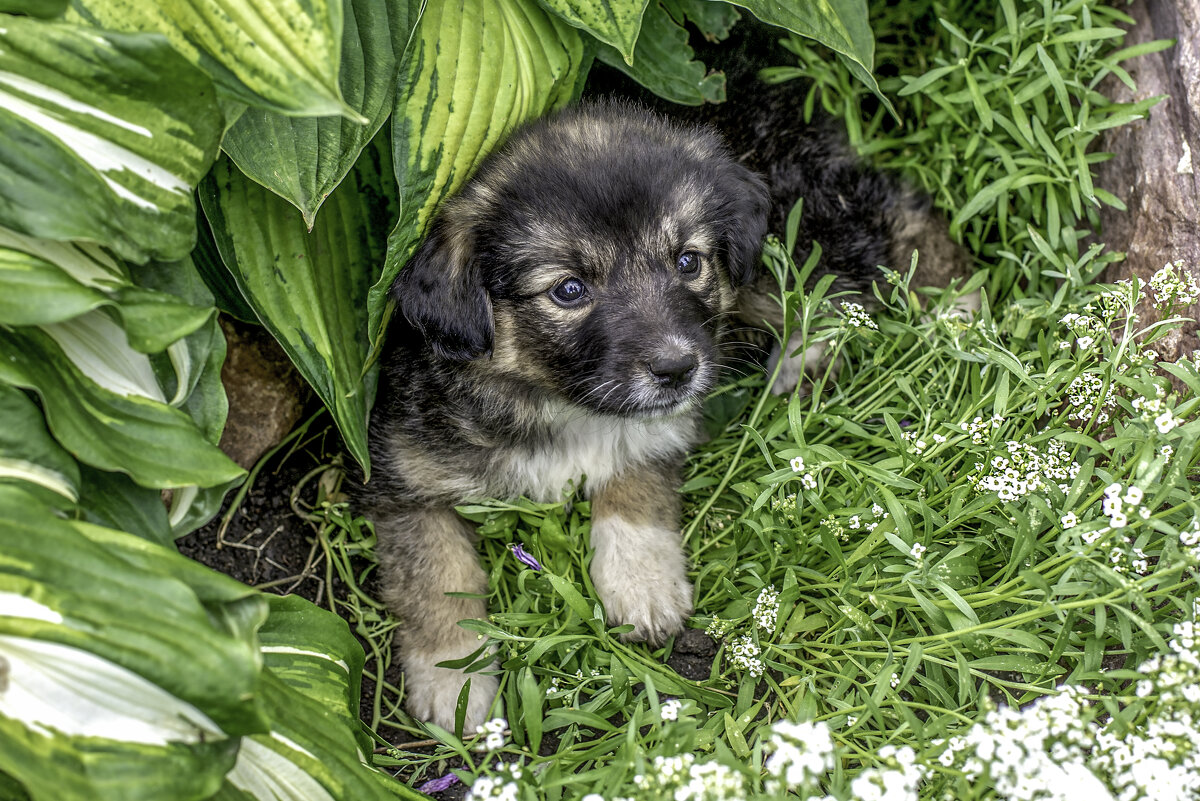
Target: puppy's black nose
(674,370)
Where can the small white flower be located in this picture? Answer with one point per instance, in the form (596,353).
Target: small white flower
(1069,520)
(876,510)
(797,465)
(808,481)
(895,680)
(670,709)
(1133,496)
(917,551)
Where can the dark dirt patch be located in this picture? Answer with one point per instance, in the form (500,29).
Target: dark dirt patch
(692,656)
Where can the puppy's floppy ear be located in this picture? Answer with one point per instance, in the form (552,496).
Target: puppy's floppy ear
(745,225)
(441,294)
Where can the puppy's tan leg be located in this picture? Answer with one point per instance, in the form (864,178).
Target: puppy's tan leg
(426,553)
(639,568)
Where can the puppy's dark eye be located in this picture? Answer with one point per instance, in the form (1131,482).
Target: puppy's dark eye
(569,292)
(688,264)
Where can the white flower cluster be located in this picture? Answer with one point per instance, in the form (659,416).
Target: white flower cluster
(1086,328)
(801,754)
(1084,396)
(855,522)
(717,629)
(670,709)
(857,316)
(494,730)
(1026,470)
(899,781)
(1117,498)
(496,788)
(685,779)
(1155,410)
(766,609)
(981,428)
(1173,289)
(1160,760)
(1189,538)
(1038,753)
(743,654)
(807,480)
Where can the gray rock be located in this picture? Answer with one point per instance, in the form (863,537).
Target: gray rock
(1156,163)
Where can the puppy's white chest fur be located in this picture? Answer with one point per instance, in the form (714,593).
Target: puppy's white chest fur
(597,447)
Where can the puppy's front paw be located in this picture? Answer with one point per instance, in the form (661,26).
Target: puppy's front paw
(644,583)
(431,692)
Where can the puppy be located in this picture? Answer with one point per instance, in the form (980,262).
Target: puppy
(563,320)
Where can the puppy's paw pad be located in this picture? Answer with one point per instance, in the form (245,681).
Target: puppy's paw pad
(431,693)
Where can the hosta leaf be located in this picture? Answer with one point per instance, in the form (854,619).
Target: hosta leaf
(309,289)
(113,500)
(310,755)
(280,54)
(616,23)
(474,71)
(29,454)
(36,291)
(663,62)
(112,694)
(714,18)
(105,135)
(154,444)
(303,159)
(34,8)
(841,25)
(312,651)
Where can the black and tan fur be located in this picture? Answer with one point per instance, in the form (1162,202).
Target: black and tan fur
(492,387)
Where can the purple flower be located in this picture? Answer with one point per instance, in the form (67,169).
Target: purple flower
(437,785)
(525,557)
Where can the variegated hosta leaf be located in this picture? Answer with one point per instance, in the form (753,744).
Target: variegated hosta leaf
(279,54)
(663,62)
(310,289)
(475,70)
(303,159)
(29,454)
(113,500)
(154,444)
(104,137)
(113,694)
(616,23)
(313,670)
(50,282)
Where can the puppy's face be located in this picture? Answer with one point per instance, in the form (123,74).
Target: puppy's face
(594,256)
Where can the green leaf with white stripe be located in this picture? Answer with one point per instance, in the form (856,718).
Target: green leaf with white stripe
(616,23)
(279,54)
(314,668)
(664,64)
(310,288)
(474,71)
(112,694)
(28,454)
(101,425)
(311,754)
(303,159)
(105,135)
